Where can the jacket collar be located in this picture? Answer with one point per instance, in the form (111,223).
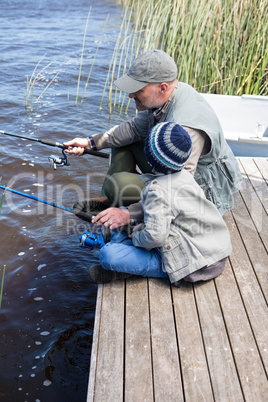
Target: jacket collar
(163,109)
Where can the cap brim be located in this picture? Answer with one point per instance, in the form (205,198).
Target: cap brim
(129,85)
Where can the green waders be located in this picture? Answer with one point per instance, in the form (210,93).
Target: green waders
(122,185)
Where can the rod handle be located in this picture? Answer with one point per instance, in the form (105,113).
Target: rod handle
(86,151)
(96,153)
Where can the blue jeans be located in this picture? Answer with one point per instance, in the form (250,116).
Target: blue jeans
(122,256)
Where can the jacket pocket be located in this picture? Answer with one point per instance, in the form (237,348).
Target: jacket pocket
(174,256)
(230,170)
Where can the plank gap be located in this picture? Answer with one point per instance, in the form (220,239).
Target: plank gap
(150,330)
(228,336)
(203,341)
(177,339)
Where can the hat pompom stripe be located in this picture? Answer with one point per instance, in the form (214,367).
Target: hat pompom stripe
(168,147)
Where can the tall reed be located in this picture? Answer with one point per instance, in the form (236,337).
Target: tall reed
(35,77)
(219,46)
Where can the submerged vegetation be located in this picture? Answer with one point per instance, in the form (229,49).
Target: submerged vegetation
(219,46)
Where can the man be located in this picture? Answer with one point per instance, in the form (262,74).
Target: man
(159,97)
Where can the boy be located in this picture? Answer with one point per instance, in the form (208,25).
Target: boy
(183,235)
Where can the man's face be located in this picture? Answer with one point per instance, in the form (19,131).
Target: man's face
(147,97)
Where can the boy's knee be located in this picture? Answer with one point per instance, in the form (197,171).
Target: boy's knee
(104,256)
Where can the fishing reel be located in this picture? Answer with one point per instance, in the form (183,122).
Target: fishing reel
(58,161)
(89,240)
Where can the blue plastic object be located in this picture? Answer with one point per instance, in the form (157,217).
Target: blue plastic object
(89,240)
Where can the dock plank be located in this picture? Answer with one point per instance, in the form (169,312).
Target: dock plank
(138,355)
(195,372)
(165,354)
(94,349)
(108,385)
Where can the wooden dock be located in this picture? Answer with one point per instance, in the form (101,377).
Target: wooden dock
(201,342)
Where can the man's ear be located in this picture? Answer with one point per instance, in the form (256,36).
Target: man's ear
(163,87)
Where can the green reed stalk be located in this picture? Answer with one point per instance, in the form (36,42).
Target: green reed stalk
(2,285)
(112,63)
(27,89)
(29,83)
(118,47)
(127,47)
(124,48)
(2,200)
(82,55)
(90,71)
(48,85)
(32,98)
(35,78)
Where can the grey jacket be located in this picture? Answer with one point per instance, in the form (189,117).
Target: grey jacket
(217,172)
(179,220)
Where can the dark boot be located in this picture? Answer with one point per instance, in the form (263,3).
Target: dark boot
(100,275)
(87,209)
(103,200)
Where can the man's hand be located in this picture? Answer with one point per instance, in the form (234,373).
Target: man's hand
(78,144)
(112,218)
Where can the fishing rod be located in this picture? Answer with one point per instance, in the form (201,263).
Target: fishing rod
(53,204)
(88,239)
(54,160)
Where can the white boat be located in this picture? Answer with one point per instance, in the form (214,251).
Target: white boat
(244,120)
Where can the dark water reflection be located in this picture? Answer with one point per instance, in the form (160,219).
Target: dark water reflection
(47,314)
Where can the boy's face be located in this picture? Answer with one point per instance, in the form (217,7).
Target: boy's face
(148,97)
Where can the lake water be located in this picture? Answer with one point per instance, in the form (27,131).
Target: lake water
(47,313)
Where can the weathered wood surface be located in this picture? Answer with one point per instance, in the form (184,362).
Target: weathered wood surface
(201,342)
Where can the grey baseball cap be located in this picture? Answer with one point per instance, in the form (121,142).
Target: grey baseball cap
(150,67)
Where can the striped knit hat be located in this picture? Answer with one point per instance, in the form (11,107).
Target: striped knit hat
(168,147)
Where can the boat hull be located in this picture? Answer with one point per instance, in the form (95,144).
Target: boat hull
(244,120)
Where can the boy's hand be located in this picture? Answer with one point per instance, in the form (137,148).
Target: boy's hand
(137,228)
